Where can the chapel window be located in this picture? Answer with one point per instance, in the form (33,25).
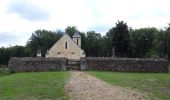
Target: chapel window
(66,45)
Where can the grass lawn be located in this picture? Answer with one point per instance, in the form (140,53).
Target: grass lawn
(155,84)
(3,74)
(33,86)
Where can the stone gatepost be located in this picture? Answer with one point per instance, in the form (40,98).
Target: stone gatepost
(83,65)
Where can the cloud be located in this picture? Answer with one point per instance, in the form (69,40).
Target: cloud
(11,38)
(28,11)
(25,16)
(100,28)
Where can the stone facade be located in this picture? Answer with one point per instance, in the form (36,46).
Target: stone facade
(67,47)
(28,64)
(124,64)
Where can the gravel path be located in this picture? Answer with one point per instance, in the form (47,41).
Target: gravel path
(82,86)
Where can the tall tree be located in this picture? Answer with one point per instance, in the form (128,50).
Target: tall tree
(93,45)
(142,40)
(42,40)
(70,30)
(5,54)
(108,42)
(163,41)
(19,51)
(121,39)
(106,46)
(15,51)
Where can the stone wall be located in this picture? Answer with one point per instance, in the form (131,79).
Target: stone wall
(124,64)
(27,64)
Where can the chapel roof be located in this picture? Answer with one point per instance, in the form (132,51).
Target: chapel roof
(76,34)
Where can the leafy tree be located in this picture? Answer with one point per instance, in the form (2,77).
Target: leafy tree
(106,46)
(163,43)
(42,40)
(92,45)
(19,51)
(5,54)
(121,39)
(70,30)
(15,51)
(108,42)
(142,40)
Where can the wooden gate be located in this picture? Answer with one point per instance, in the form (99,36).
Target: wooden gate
(73,64)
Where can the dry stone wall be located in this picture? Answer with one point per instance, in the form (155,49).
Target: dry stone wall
(29,64)
(124,64)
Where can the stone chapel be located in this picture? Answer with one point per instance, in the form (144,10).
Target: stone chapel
(67,47)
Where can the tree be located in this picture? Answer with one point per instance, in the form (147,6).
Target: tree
(142,40)
(120,39)
(15,51)
(108,42)
(106,46)
(70,30)
(19,51)
(5,54)
(42,40)
(93,45)
(163,43)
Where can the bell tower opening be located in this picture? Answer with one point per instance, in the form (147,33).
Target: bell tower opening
(77,38)
(77,41)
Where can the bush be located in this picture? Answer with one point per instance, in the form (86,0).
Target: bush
(153,54)
(4,69)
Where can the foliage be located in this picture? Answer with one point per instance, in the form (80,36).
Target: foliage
(163,43)
(127,42)
(36,86)
(142,40)
(4,70)
(155,84)
(15,51)
(153,54)
(42,40)
(5,54)
(93,46)
(121,39)
(106,46)
(70,30)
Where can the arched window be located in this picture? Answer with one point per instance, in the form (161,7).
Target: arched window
(66,45)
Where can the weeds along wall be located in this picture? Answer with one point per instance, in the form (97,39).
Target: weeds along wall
(29,64)
(124,64)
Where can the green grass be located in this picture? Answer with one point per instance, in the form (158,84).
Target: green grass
(154,84)
(33,86)
(2,74)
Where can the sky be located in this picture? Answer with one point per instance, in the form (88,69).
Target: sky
(20,18)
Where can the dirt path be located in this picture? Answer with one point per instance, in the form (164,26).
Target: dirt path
(82,86)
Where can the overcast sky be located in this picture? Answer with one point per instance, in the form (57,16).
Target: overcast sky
(19,18)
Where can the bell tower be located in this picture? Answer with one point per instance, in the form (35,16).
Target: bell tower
(77,38)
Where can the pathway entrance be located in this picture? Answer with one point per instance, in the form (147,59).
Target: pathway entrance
(82,86)
(73,64)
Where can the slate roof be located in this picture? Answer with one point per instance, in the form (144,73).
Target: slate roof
(76,34)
